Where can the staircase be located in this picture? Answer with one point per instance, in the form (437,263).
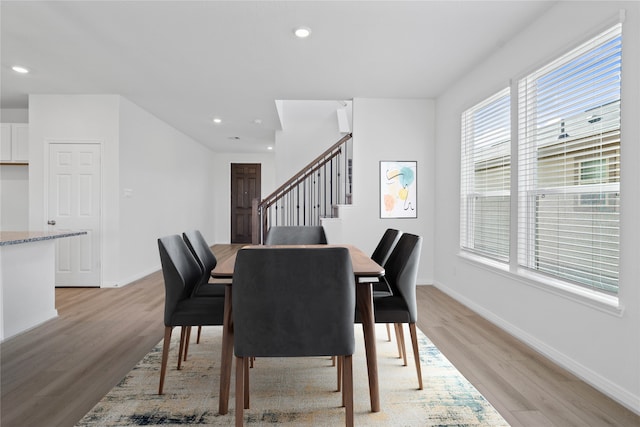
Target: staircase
(311,194)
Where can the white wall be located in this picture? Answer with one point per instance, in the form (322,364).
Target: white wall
(221,169)
(14,197)
(27,273)
(14,182)
(389,129)
(308,128)
(166,186)
(14,115)
(77,118)
(169,174)
(599,344)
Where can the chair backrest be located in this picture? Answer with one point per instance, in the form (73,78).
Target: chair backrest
(290,302)
(202,253)
(180,270)
(401,270)
(296,235)
(385,246)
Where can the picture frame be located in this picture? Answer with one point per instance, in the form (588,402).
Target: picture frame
(398,189)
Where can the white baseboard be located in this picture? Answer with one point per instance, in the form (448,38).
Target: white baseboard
(614,391)
(33,323)
(128,280)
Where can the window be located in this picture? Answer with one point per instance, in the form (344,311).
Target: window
(568,174)
(569,165)
(485,177)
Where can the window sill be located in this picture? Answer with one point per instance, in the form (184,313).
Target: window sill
(606,303)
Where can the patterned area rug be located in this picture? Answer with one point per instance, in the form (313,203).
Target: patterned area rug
(295,391)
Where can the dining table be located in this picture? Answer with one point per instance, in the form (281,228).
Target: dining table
(366,272)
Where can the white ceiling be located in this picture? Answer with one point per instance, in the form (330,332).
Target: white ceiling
(188,61)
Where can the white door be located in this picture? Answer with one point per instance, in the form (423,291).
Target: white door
(74,205)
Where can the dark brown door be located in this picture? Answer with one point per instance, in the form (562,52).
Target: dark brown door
(245,186)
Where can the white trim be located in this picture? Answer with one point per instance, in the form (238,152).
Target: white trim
(41,320)
(129,280)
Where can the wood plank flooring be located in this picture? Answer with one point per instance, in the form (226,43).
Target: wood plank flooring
(54,374)
(525,387)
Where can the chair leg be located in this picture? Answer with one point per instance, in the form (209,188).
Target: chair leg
(240,364)
(402,349)
(347,393)
(416,352)
(183,334)
(339,370)
(398,343)
(165,355)
(199,333)
(186,343)
(246,381)
(388,332)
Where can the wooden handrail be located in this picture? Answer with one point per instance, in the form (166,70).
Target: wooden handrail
(301,177)
(303,170)
(260,208)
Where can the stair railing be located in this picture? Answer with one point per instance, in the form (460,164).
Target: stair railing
(311,194)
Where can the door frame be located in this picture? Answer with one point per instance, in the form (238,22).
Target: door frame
(46,188)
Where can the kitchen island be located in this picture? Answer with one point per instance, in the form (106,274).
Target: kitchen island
(27,279)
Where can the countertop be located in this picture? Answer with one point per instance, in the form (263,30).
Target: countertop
(18,237)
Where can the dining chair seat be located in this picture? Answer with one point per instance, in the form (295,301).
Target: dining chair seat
(391,309)
(190,311)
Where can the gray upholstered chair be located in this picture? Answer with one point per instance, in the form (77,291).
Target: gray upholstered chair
(401,270)
(182,274)
(380,255)
(293,302)
(296,235)
(207,261)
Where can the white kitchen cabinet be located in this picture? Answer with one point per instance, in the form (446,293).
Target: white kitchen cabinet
(14,143)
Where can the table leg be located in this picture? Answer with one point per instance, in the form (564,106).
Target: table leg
(364,302)
(227,354)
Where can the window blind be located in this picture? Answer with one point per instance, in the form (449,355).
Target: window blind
(485,177)
(569,165)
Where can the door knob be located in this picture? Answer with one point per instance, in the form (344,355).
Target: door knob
(51,222)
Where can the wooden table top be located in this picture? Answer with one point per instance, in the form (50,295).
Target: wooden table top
(363,265)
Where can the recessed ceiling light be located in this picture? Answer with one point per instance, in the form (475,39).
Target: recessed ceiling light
(20,69)
(302,32)
(217,120)
(269,148)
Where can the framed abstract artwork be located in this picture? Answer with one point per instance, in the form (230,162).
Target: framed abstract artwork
(398,189)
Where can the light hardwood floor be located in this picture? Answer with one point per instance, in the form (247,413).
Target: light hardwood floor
(55,373)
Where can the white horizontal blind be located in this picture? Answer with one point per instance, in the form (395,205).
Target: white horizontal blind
(569,165)
(485,177)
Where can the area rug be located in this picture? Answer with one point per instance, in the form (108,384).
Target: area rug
(295,391)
